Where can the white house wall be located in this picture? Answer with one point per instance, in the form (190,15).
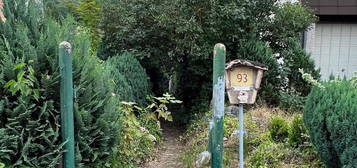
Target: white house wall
(334,48)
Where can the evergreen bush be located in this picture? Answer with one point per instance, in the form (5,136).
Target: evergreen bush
(133,75)
(122,87)
(278,129)
(29,89)
(331,120)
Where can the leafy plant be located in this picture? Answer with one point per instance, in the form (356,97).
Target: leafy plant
(297,132)
(278,128)
(141,130)
(266,155)
(292,100)
(25,79)
(88,13)
(296,58)
(136,142)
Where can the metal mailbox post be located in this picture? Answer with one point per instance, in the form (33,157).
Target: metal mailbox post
(243,80)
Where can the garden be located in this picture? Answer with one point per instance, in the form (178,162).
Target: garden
(142,85)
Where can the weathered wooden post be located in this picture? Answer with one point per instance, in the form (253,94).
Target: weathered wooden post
(66,93)
(216,126)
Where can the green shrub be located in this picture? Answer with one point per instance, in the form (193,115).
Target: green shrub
(297,132)
(133,75)
(29,88)
(278,129)
(296,58)
(330,117)
(289,21)
(291,100)
(136,142)
(141,132)
(122,87)
(266,155)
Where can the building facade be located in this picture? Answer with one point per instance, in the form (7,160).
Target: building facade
(332,41)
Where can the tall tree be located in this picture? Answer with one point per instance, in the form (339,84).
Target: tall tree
(176,39)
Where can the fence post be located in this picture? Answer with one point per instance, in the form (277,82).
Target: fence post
(216,127)
(66,93)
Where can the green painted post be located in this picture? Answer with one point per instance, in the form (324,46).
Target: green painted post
(67,128)
(216,126)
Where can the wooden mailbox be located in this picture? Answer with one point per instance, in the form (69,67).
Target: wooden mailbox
(243,80)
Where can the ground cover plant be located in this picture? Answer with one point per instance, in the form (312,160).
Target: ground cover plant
(262,150)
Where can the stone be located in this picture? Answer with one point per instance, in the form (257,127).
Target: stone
(203,159)
(232,110)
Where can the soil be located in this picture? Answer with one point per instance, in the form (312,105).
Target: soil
(168,151)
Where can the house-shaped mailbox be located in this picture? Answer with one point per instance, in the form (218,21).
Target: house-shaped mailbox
(243,80)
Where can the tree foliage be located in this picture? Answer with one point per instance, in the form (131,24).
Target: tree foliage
(330,117)
(88,14)
(29,85)
(176,39)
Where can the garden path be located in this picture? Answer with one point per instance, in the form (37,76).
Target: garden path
(169,150)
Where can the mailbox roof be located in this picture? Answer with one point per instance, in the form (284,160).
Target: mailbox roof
(238,62)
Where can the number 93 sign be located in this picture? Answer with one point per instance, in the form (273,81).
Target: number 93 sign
(243,79)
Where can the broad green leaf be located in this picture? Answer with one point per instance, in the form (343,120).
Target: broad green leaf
(19,66)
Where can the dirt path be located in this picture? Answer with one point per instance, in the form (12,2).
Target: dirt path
(168,154)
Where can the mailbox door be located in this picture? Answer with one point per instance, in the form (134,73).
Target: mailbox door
(242,78)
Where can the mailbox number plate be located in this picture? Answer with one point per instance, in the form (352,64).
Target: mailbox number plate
(242,77)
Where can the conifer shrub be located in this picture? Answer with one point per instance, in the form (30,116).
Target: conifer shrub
(278,129)
(126,69)
(29,89)
(330,117)
(121,86)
